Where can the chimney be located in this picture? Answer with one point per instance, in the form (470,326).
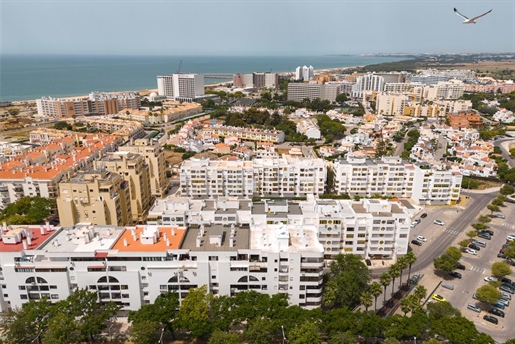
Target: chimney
(4,226)
(173,231)
(165,236)
(42,230)
(231,242)
(198,241)
(100,241)
(167,242)
(56,243)
(201,230)
(125,242)
(24,243)
(47,226)
(134,236)
(29,240)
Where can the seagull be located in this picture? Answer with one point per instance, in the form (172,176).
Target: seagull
(471,20)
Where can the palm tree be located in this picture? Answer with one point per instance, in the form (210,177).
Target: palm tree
(366,300)
(420,292)
(411,259)
(395,272)
(405,305)
(375,290)
(402,262)
(385,279)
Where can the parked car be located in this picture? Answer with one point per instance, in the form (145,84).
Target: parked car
(491,278)
(414,224)
(416,242)
(499,216)
(505,295)
(471,251)
(473,307)
(491,319)
(497,312)
(424,215)
(499,305)
(474,247)
(480,243)
(474,296)
(510,238)
(460,266)
(488,231)
(368,262)
(485,236)
(506,280)
(501,255)
(421,238)
(438,222)
(510,200)
(455,274)
(437,297)
(448,286)
(507,289)
(504,302)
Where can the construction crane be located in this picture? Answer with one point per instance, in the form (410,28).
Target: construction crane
(179,69)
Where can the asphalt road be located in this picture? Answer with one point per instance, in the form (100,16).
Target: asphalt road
(505,153)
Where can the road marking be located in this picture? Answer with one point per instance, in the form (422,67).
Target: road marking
(451,231)
(477,269)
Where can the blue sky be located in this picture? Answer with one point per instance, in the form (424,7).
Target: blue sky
(261,27)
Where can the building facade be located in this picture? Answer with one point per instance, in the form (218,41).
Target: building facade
(176,86)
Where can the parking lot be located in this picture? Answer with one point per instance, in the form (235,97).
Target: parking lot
(477,267)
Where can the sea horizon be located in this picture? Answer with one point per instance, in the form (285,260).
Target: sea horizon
(25,77)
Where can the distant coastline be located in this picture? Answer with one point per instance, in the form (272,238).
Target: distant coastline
(26,78)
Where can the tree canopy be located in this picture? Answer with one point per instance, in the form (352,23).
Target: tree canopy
(27,210)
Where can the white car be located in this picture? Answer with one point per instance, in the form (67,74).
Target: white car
(438,222)
(491,278)
(421,238)
(510,238)
(471,251)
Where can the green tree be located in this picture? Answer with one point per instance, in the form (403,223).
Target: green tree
(13,112)
(259,331)
(443,309)
(348,279)
(62,125)
(342,338)
(478,227)
(497,202)
(464,243)
(219,337)
(366,300)
(493,208)
(445,263)
(454,253)
(510,250)
(402,262)
(375,290)
(484,219)
(91,315)
(471,234)
(163,312)
(33,315)
(194,312)
(62,329)
(144,331)
(391,341)
(487,293)
(394,271)
(431,341)
(342,97)
(501,269)
(411,258)
(30,209)
(507,190)
(456,329)
(420,292)
(405,305)
(306,333)
(385,279)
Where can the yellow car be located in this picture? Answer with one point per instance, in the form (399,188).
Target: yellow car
(438,298)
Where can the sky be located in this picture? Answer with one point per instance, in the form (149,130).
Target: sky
(253,27)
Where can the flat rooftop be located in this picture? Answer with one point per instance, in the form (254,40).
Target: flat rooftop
(295,238)
(159,239)
(13,237)
(214,235)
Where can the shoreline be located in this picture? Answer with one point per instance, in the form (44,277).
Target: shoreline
(146,92)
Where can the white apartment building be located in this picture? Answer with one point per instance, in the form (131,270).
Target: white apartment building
(246,134)
(369,82)
(285,176)
(304,72)
(388,104)
(452,89)
(176,86)
(300,91)
(391,176)
(309,128)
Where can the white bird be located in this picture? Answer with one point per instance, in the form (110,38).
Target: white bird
(471,20)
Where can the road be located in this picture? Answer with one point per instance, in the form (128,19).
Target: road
(457,223)
(503,144)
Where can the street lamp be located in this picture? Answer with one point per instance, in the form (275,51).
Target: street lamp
(282,330)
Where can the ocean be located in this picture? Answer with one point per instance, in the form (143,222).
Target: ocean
(28,77)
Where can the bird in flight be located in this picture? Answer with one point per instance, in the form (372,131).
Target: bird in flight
(471,20)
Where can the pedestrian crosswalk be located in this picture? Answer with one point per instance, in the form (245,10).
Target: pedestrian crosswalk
(477,269)
(509,225)
(451,231)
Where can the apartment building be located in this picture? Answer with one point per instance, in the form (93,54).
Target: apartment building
(286,177)
(127,129)
(156,161)
(391,176)
(452,89)
(464,120)
(96,103)
(99,197)
(136,172)
(308,128)
(300,91)
(39,171)
(245,134)
(170,111)
(304,73)
(177,86)
(368,82)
